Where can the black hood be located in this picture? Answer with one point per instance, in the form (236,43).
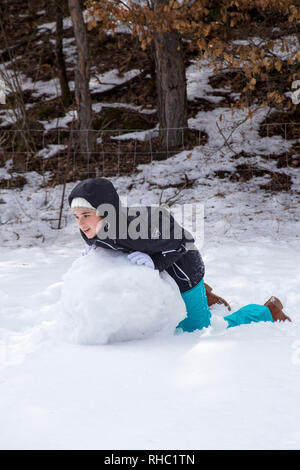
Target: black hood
(96,191)
(99,192)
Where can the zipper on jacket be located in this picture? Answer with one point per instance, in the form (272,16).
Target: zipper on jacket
(186,278)
(101,241)
(178,250)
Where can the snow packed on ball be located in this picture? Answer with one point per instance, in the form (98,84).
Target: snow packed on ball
(106,298)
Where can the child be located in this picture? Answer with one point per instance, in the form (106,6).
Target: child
(104,222)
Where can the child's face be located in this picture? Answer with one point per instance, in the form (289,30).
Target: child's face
(88,221)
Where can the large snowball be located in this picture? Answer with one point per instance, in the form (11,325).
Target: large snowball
(105,298)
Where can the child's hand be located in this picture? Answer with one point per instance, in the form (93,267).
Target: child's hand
(140,258)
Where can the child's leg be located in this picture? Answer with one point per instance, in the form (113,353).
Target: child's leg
(198,314)
(249,313)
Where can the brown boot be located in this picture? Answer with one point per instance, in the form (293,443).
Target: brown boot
(275,307)
(213,298)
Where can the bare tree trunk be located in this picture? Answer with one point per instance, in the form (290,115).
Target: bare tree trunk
(82,78)
(171,84)
(60,61)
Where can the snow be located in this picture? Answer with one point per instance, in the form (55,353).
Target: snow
(106,299)
(229,389)
(197,83)
(60,122)
(51,150)
(98,106)
(51,27)
(139,135)
(235,388)
(107,80)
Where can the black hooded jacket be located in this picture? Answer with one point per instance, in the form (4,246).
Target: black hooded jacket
(142,228)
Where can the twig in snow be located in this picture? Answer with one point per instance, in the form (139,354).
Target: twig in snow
(172,199)
(226,139)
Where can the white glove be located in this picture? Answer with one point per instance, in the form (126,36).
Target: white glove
(140,258)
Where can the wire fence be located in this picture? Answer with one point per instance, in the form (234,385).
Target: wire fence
(117,152)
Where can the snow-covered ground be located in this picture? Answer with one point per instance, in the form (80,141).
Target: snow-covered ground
(235,388)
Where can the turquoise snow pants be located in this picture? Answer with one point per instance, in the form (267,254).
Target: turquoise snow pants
(198,314)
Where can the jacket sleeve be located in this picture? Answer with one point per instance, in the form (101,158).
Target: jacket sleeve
(165,259)
(165,248)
